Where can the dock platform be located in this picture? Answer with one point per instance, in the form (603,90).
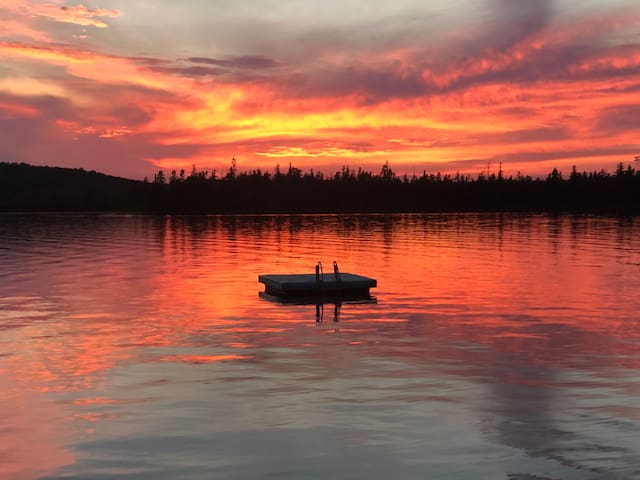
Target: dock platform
(310,285)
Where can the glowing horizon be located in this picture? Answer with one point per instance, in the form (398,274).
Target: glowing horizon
(129,89)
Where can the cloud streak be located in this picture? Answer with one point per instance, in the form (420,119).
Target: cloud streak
(251,62)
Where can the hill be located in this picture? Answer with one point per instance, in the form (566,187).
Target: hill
(27,188)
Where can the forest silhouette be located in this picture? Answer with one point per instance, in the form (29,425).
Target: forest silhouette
(348,190)
(30,188)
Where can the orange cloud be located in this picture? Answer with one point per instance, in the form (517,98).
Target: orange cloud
(44,52)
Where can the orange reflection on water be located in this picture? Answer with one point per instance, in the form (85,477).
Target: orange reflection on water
(521,284)
(200,359)
(32,443)
(491,299)
(503,281)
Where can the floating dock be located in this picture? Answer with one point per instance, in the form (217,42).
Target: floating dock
(347,285)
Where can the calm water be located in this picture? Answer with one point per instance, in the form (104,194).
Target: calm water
(500,347)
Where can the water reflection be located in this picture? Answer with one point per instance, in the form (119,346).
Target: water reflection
(320,312)
(499,345)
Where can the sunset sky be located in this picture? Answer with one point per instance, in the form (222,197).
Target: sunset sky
(129,87)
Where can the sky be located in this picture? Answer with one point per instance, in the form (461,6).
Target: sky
(128,88)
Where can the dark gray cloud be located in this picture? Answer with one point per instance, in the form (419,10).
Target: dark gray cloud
(149,61)
(129,114)
(250,62)
(192,71)
(233,69)
(377,82)
(48,106)
(505,26)
(516,20)
(372,84)
(533,135)
(619,117)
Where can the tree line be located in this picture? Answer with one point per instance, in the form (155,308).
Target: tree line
(31,188)
(349,190)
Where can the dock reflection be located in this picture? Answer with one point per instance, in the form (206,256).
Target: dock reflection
(336,302)
(320,312)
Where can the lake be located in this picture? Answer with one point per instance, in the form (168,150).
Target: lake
(497,347)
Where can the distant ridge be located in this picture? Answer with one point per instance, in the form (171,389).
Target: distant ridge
(28,188)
